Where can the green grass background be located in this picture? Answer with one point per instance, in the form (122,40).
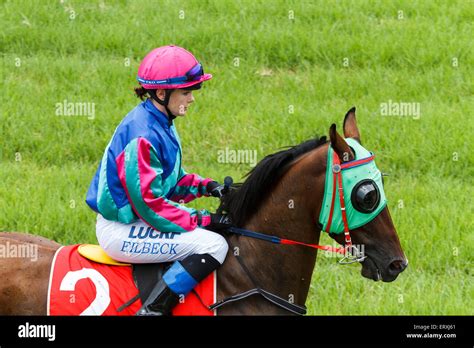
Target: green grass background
(397,50)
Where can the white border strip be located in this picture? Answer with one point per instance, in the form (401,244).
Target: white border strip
(51,279)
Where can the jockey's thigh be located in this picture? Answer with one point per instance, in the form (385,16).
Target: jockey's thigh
(139,243)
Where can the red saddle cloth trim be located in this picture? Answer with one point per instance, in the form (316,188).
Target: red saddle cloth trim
(78,286)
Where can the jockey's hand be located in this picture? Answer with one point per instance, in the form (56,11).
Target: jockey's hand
(215,189)
(219,222)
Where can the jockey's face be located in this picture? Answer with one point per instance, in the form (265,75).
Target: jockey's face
(179,101)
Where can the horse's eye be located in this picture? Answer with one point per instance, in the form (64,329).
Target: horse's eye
(365,196)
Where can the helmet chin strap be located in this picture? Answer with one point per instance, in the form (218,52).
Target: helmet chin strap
(165,102)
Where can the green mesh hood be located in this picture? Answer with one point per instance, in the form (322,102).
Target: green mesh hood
(350,178)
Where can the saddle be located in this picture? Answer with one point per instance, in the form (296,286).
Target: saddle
(145,275)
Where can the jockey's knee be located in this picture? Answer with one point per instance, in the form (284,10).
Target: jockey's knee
(217,247)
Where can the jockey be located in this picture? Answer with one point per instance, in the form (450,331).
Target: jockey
(140,186)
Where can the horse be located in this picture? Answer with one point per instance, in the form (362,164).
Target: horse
(282,195)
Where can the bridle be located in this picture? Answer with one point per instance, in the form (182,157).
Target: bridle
(350,251)
(354,255)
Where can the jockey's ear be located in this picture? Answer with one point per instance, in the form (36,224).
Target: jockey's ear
(350,125)
(339,145)
(161,94)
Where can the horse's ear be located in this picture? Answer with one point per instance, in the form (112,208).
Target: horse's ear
(350,125)
(339,145)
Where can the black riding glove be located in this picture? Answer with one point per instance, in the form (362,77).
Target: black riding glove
(215,189)
(219,222)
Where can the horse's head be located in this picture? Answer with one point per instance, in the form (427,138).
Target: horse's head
(288,192)
(366,212)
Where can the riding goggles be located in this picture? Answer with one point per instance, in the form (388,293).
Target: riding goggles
(194,74)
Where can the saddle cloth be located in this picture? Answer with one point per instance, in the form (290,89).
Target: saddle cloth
(78,286)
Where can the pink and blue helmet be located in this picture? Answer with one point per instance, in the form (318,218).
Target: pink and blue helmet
(170,67)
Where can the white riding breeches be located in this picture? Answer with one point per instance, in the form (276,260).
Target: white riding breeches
(139,243)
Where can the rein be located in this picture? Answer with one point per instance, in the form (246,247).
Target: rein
(351,253)
(278,240)
(348,246)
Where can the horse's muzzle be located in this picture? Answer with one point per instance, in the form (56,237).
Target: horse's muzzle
(372,269)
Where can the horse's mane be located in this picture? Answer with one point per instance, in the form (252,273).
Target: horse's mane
(245,198)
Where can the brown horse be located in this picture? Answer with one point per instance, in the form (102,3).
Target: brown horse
(282,196)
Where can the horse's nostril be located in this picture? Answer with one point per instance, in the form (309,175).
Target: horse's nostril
(398,266)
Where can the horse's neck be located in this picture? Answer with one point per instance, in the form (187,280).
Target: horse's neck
(284,270)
